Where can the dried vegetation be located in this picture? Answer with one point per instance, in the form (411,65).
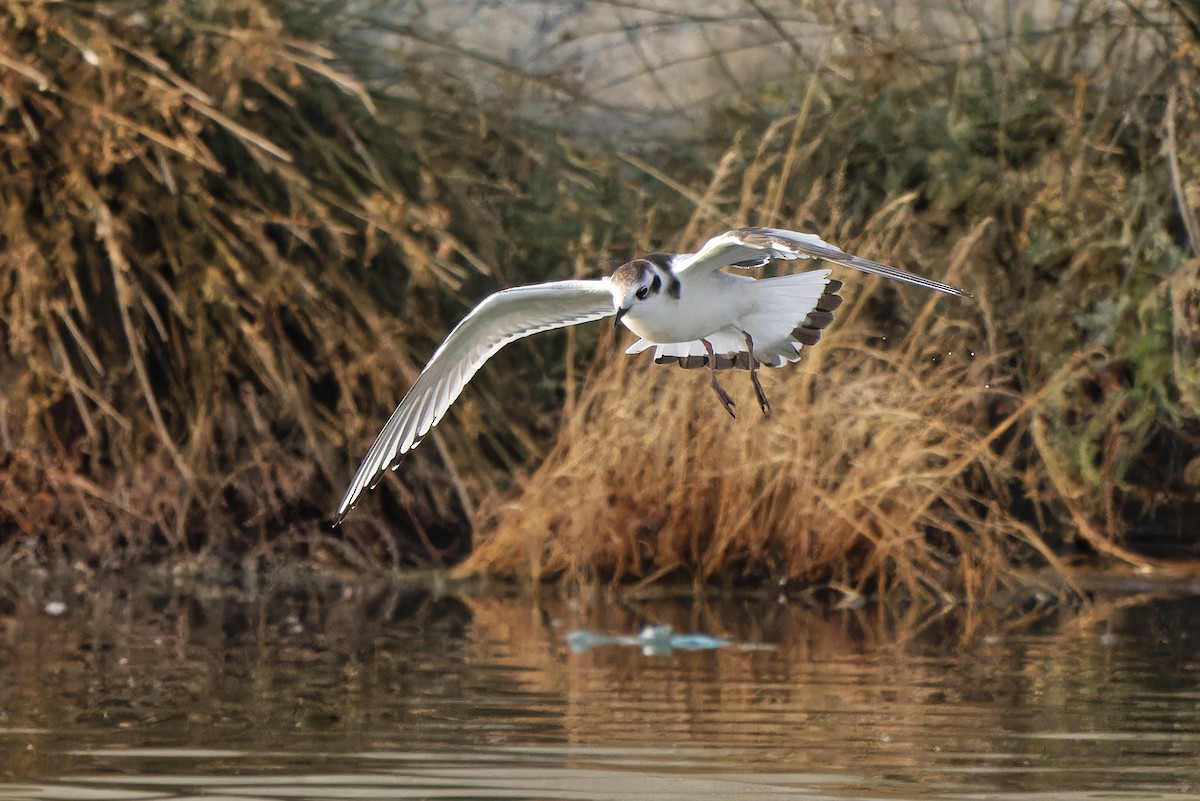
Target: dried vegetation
(217,262)
(928,444)
(220,263)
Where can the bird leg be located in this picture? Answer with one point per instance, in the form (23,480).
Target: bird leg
(763,403)
(722,395)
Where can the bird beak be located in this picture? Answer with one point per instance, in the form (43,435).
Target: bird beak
(620,314)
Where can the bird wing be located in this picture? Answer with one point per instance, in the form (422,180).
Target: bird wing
(501,318)
(754,247)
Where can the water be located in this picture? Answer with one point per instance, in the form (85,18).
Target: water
(368,689)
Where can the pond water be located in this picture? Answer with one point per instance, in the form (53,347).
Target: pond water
(303,688)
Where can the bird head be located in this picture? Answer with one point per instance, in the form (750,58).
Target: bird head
(637,284)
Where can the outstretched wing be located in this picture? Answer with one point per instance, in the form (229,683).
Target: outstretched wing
(754,247)
(499,319)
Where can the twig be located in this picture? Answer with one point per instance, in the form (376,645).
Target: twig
(1186,212)
(119,266)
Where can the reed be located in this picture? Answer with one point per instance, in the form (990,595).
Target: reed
(222,258)
(218,262)
(874,471)
(933,446)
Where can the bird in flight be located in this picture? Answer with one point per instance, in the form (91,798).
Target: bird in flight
(684,305)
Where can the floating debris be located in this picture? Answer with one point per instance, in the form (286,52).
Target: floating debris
(653,640)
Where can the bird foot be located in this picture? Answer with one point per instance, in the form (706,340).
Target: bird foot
(763,403)
(723,396)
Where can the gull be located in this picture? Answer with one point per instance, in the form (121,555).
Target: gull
(684,305)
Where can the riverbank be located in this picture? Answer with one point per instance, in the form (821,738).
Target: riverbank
(226,255)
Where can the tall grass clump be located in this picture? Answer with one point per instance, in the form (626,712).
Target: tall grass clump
(218,261)
(873,472)
(222,259)
(928,444)
(168,200)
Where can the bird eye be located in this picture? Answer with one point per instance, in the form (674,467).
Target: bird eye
(642,293)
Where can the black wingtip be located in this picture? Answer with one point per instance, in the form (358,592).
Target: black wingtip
(341,514)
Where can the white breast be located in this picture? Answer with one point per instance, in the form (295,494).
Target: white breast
(706,304)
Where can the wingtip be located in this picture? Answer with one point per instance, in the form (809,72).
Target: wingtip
(348,505)
(357,487)
(344,510)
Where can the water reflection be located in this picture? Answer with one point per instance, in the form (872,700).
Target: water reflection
(301,687)
(653,640)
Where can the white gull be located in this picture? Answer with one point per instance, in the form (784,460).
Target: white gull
(684,305)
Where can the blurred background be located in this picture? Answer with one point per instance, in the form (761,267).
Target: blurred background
(231,234)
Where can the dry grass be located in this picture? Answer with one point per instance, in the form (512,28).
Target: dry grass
(220,263)
(976,438)
(206,238)
(874,470)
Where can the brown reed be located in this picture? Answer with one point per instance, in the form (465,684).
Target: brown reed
(928,445)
